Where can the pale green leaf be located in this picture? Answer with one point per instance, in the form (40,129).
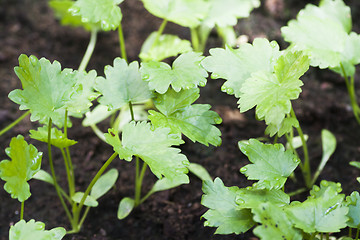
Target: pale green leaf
(285,126)
(224,212)
(355,164)
(25,162)
(199,171)
(98,114)
(194,121)
(323,33)
(105,12)
(43,176)
(187,13)
(251,197)
(126,205)
(104,183)
(226,12)
(46,89)
(158,48)
(165,184)
(153,146)
(61,11)
(185,73)
(353,202)
(90,201)
(58,138)
(31,230)
(272,93)
(271,164)
(274,223)
(235,66)
(324,212)
(123,84)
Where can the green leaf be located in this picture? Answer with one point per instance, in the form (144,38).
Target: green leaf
(324,212)
(194,121)
(224,212)
(353,202)
(34,230)
(61,11)
(43,176)
(274,223)
(323,33)
(226,12)
(235,66)
(105,12)
(154,147)
(157,48)
(187,13)
(81,99)
(251,197)
(185,73)
(272,165)
(355,164)
(98,114)
(199,171)
(46,89)
(90,201)
(25,162)
(285,126)
(272,93)
(58,138)
(166,184)
(123,84)
(104,183)
(126,205)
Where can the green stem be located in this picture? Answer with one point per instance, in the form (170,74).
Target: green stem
(122,43)
(11,125)
(294,193)
(195,41)
(357,234)
(306,171)
(138,182)
(327,236)
(98,132)
(89,51)
(351,90)
(22,210)
(57,187)
(87,192)
(159,32)
(84,216)
(350,232)
(131,111)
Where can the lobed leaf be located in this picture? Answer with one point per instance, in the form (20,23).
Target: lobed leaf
(323,212)
(185,73)
(224,212)
(274,223)
(24,164)
(224,13)
(323,33)
(187,13)
(157,48)
(271,164)
(105,12)
(123,84)
(272,93)
(154,147)
(30,230)
(251,197)
(353,203)
(194,121)
(58,138)
(235,66)
(46,89)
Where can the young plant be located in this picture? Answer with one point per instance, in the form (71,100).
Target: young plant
(264,77)
(324,33)
(24,165)
(266,207)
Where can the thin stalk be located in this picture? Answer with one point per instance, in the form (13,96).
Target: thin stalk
(306,171)
(57,187)
(159,32)
(327,236)
(195,39)
(68,163)
(357,234)
(11,125)
(138,184)
(131,111)
(87,191)
(350,232)
(22,210)
(84,216)
(67,171)
(89,51)
(98,132)
(351,90)
(122,43)
(294,193)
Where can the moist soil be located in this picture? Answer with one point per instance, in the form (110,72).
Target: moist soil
(28,26)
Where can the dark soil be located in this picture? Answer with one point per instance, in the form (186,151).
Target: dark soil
(28,26)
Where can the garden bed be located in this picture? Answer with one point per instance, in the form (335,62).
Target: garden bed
(28,26)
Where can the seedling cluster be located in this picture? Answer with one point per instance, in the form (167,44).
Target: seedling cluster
(150,105)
